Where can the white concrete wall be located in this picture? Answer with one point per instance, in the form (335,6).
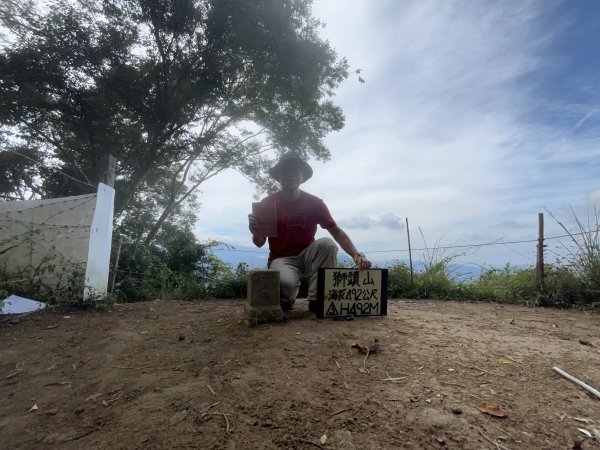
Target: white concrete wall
(46,240)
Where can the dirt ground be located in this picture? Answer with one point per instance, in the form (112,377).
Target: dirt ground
(191,375)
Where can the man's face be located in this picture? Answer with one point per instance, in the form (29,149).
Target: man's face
(290,177)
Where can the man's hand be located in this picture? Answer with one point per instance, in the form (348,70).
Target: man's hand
(252,224)
(362,263)
(259,241)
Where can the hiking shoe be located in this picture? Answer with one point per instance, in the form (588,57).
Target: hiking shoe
(286,305)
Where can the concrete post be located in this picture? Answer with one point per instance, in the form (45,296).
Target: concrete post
(263,297)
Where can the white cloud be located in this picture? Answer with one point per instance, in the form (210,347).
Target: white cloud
(387,220)
(448,129)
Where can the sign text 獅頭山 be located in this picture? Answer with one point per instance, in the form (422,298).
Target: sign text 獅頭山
(350,292)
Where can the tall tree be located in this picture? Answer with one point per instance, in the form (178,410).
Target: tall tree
(177,90)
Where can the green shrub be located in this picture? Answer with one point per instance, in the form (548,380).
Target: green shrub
(399,282)
(433,282)
(563,287)
(509,284)
(583,260)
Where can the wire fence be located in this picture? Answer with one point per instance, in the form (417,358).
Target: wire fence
(441,247)
(43,241)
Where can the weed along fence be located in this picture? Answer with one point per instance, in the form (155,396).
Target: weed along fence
(58,247)
(565,268)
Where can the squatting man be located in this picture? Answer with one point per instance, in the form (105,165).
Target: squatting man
(295,252)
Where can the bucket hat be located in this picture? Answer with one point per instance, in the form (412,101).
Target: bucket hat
(291,158)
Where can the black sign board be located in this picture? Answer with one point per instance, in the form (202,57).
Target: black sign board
(350,292)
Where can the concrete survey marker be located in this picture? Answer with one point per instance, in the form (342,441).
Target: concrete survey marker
(263,297)
(349,292)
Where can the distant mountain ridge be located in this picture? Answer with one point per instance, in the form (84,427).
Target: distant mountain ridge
(256,258)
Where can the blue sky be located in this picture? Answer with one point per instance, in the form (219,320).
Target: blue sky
(474,117)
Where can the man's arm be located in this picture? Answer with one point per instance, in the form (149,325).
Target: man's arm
(345,242)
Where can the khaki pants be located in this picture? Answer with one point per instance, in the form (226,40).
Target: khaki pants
(321,253)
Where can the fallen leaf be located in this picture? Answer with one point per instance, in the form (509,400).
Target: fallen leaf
(399,317)
(493,410)
(504,361)
(360,348)
(373,348)
(33,408)
(178,417)
(323,439)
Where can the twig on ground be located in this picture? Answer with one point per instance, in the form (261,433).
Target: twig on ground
(345,384)
(210,388)
(59,383)
(111,401)
(365,361)
(10,375)
(482,370)
(85,433)
(454,384)
(337,364)
(486,371)
(309,442)
(498,446)
(340,411)
(226,423)
(132,368)
(392,379)
(204,412)
(500,429)
(513,359)
(227,429)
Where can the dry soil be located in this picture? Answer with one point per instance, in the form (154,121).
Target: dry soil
(171,374)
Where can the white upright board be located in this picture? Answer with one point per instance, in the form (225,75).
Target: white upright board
(98,262)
